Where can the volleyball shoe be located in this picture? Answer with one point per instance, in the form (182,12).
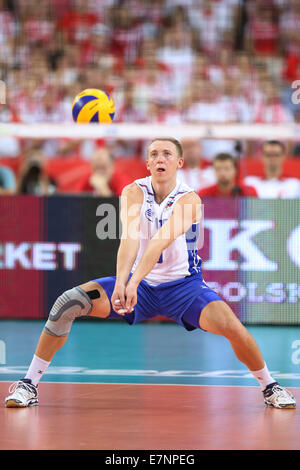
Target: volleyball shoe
(22,393)
(278,397)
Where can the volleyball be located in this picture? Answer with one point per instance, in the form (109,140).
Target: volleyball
(92,105)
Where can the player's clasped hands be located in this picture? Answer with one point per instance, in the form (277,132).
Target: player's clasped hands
(124,299)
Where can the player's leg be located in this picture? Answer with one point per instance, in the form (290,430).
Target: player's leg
(50,342)
(87,299)
(218,318)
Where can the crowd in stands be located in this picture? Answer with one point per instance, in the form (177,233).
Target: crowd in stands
(167,61)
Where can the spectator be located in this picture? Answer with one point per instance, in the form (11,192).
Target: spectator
(271,109)
(38,26)
(27,103)
(192,173)
(273,185)
(223,66)
(263,30)
(66,66)
(8,29)
(226,175)
(177,54)
(153,85)
(236,106)
(103,180)
(295,151)
(77,22)
(208,108)
(9,145)
(211,19)
(127,35)
(290,27)
(32,178)
(97,50)
(162,111)
(129,112)
(7,181)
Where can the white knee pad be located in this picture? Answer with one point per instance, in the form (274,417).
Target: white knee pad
(71,304)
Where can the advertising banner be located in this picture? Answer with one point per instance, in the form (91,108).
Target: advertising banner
(48,245)
(251,257)
(251,253)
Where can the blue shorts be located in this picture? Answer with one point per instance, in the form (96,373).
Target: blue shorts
(181,300)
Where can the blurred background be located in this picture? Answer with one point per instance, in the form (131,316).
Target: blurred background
(190,62)
(165,61)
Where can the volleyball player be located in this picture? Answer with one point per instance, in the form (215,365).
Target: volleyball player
(158,272)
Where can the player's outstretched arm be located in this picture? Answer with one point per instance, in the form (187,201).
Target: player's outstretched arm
(131,203)
(186,211)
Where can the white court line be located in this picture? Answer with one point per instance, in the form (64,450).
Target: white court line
(158,374)
(134,383)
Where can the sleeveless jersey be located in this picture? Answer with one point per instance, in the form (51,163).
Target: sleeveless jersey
(181,258)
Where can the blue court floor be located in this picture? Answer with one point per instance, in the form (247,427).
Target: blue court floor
(149,353)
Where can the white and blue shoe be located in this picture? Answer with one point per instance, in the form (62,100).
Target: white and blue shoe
(278,397)
(23,393)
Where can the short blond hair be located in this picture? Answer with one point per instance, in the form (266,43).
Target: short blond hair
(174,141)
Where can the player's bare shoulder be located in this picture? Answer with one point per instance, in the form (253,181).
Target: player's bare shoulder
(193,205)
(189,198)
(131,203)
(133,192)
(132,196)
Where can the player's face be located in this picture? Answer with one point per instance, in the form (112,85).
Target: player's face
(163,159)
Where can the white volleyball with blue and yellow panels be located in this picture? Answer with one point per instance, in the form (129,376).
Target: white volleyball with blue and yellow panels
(93,105)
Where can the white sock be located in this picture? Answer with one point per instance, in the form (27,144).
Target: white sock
(36,369)
(263,376)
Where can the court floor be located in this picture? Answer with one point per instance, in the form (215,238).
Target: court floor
(149,386)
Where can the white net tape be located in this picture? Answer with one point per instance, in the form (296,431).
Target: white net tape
(132,131)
